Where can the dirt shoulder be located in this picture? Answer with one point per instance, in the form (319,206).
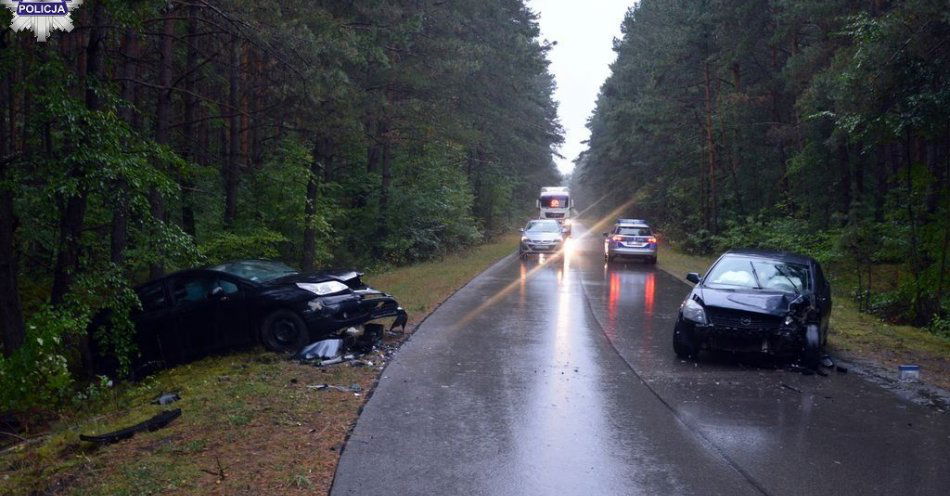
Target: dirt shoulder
(876,346)
(251,423)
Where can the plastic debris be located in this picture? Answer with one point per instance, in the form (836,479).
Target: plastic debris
(324,349)
(166,399)
(843,370)
(827,362)
(909,372)
(157,422)
(352,388)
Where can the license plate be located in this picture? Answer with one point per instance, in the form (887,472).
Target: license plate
(634,245)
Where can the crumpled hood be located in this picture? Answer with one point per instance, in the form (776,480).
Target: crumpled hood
(767,302)
(542,236)
(346,276)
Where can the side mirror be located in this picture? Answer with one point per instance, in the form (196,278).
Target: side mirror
(521,230)
(693,277)
(606,234)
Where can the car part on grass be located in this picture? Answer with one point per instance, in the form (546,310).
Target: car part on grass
(166,399)
(153,424)
(909,373)
(352,388)
(324,349)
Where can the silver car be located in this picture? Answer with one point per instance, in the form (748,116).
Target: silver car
(541,236)
(630,239)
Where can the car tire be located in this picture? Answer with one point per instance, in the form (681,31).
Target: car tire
(284,331)
(684,342)
(811,354)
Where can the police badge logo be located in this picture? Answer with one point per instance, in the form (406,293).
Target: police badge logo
(42,16)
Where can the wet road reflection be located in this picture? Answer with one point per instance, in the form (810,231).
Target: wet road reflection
(555,375)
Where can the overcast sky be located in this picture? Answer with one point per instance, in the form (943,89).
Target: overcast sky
(584,32)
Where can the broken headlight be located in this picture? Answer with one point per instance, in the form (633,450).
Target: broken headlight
(694,312)
(323,288)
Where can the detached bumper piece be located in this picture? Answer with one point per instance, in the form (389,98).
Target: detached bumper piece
(153,424)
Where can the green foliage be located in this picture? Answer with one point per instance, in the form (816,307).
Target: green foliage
(814,127)
(260,243)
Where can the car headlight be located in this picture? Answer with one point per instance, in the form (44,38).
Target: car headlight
(524,239)
(323,288)
(567,222)
(694,312)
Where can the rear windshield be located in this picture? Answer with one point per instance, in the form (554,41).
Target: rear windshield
(557,201)
(633,231)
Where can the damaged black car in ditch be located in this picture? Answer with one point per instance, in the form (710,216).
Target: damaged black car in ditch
(193,313)
(756,301)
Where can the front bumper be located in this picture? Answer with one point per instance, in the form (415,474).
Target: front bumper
(331,315)
(783,340)
(527,247)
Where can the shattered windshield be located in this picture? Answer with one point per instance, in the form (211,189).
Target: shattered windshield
(756,273)
(543,226)
(256,270)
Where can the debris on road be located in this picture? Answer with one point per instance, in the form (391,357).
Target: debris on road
(157,422)
(793,388)
(909,373)
(324,349)
(166,399)
(841,369)
(827,362)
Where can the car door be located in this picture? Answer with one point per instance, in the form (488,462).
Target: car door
(823,293)
(194,310)
(233,326)
(152,324)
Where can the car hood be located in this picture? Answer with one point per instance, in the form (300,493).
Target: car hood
(767,302)
(543,236)
(349,277)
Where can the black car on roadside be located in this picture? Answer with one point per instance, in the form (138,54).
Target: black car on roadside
(193,313)
(761,301)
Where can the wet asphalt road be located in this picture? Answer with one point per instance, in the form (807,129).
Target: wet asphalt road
(558,377)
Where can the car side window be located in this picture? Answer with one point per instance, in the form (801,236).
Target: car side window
(153,297)
(191,289)
(227,286)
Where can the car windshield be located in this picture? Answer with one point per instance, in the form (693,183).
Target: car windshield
(543,226)
(633,231)
(557,201)
(758,273)
(256,270)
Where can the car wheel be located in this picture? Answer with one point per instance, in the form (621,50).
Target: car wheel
(685,344)
(284,331)
(811,354)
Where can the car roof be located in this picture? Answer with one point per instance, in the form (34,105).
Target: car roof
(772,255)
(632,221)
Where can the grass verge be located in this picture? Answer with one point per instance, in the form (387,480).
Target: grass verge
(853,333)
(249,424)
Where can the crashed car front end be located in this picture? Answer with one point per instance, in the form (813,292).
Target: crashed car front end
(358,314)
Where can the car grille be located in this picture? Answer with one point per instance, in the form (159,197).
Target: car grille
(737,319)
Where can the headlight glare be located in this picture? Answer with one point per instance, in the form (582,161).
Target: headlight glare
(323,288)
(694,312)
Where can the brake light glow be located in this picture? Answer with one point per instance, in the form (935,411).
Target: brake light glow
(617,238)
(651,240)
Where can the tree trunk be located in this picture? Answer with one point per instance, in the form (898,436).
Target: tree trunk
(119,238)
(162,118)
(74,211)
(310,212)
(234,135)
(12,332)
(191,108)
